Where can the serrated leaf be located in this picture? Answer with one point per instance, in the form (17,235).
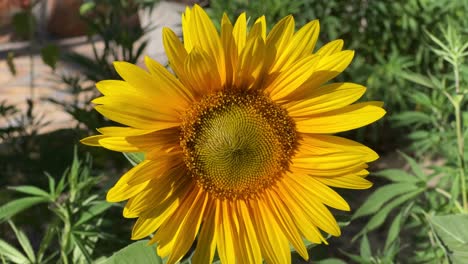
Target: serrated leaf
(453,231)
(28,189)
(10,209)
(414,166)
(11,253)
(379,218)
(50,55)
(382,195)
(93,211)
(412,117)
(138,252)
(135,158)
(397,175)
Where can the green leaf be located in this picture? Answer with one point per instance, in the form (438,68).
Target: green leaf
(135,158)
(382,195)
(10,209)
(23,23)
(24,242)
(93,211)
(28,189)
(414,166)
(11,63)
(138,252)
(379,218)
(50,55)
(393,232)
(330,261)
(11,253)
(453,231)
(87,7)
(365,249)
(397,175)
(412,117)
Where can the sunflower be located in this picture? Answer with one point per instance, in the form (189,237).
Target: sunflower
(239,154)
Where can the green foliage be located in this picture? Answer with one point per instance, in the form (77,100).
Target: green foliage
(453,235)
(139,250)
(76,222)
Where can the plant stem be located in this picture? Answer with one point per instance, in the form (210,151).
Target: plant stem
(461,152)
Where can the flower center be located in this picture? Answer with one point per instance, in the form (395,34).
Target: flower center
(237,143)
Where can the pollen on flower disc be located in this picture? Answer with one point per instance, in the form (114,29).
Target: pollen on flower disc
(237,143)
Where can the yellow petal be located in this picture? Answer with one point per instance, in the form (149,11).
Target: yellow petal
(114,131)
(273,243)
(317,190)
(240,32)
(344,119)
(122,191)
(285,221)
(169,83)
(250,68)
(293,77)
(258,29)
(302,44)
(248,239)
(311,144)
(347,181)
(92,141)
(203,34)
(175,52)
(314,210)
(230,49)
(189,228)
(138,116)
(206,245)
(331,48)
(326,98)
(202,71)
(305,225)
(278,40)
(225,234)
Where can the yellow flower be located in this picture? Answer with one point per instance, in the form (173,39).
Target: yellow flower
(238,151)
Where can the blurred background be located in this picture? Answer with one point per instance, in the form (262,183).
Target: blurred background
(410,54)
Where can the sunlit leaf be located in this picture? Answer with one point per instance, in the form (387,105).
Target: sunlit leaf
(453,231)
(138,252)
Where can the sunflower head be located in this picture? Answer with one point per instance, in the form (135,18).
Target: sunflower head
(237,140)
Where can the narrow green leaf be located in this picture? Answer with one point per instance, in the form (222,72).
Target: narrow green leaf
(11,253)
(393,232)
(397,175)
(135,158)
(93,211)
(453,231)
(28,189)
(11,63)
(24,242)
(10,209)
(139,252)
(382,195)
(414,166)
(379,218)
(365,249)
